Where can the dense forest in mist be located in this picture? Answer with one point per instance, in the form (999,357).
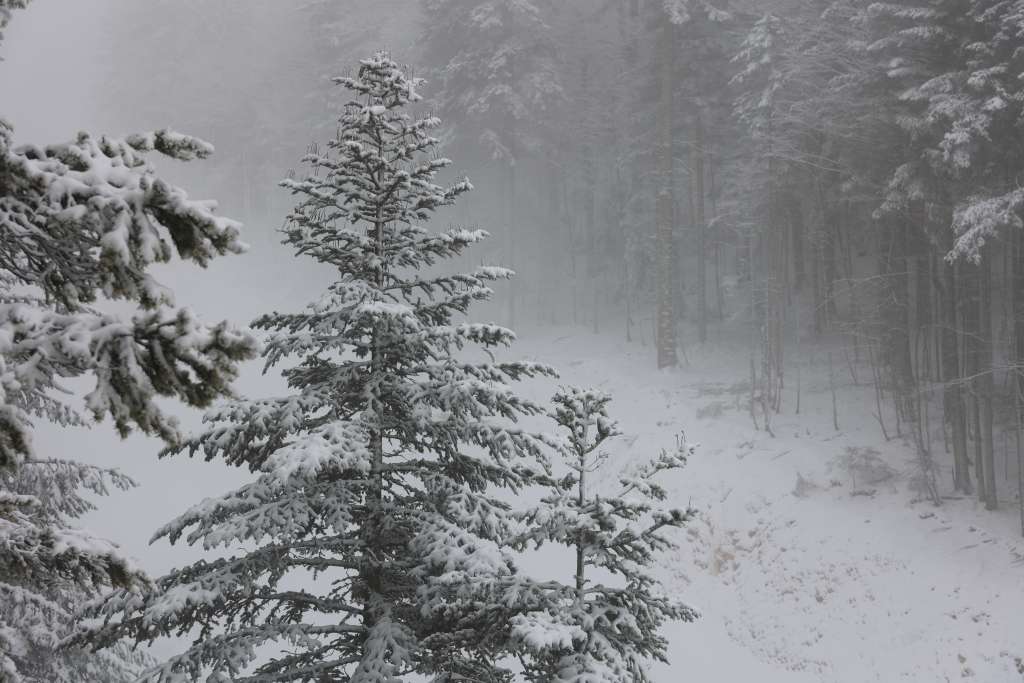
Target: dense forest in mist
(828,194)
(841,175)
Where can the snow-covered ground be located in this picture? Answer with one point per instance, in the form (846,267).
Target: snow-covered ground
(796,584)
(809,582)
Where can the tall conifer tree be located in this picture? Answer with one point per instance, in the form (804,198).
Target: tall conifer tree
(374,545)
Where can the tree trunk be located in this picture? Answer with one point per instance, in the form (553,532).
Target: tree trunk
(589,200)
(987,381)
(717,240)
(371,570)
(1017,293)
(923,312)
(824,214)
(796,218)
(666,342)
(697,180)
(953,398)
(970,317)
(895,318)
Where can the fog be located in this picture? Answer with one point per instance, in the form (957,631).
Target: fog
(789,231)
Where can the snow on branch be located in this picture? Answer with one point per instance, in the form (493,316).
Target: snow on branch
(983,218)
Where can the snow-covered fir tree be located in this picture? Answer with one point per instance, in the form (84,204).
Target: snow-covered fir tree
(371,544)
(591,632)
(80,225)
(759,78)
(497,65)
(955,65)
(49,567)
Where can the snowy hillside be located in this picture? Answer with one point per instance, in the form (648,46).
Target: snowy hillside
(796,582)
(805,581)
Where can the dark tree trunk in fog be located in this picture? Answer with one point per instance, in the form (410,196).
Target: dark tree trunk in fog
(633,30)
(986,381)
(977,323)
(895,320)
(1017,360)
(776,285)
(824,214)
(665,200)
(832,243)
(508,203)
(971,321)
(717,239)
(953,393)
(796,222)
(591,237)
(923,343)
(699,221)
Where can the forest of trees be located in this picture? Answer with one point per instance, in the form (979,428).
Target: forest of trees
(846,175)
(842,174)
(837,174)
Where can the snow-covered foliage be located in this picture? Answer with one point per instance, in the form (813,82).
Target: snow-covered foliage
(497,69)
(82,222)
(592,632)
(80,225)
(759,76)
(49,567)
(960,104)
(685,11)
(370,545)
(978,220)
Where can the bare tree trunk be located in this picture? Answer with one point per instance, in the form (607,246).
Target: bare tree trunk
(832,388)
(778,288)
(719,294)
(896,320)
(589,199)
(569,226)
(697,180)
(776,284)
(971,320)
(829,246)
(923,311)
(666,324)
(635,32)
(876,372)
(953,399)
(796,217)
(1017,294)
(987,382)
(817,257)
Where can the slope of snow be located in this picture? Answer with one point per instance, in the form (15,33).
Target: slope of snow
(795,584)
(806,582)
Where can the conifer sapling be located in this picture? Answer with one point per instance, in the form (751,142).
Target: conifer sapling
(593,632)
